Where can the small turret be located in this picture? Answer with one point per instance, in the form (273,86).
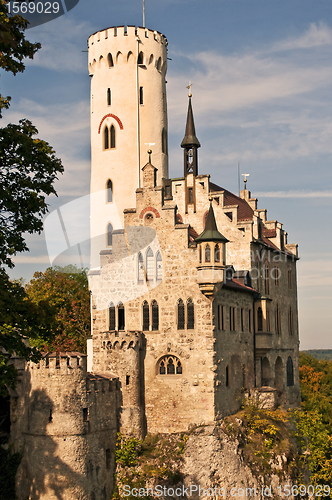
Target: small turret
(212,255)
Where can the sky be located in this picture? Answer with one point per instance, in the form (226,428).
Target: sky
(262,96)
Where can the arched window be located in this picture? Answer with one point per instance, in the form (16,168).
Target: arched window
(112,137)
(190,315)
(158,65)
(217,253)
(140,59)
(207,253)
(259,319)
(146,316)
(121,316)
(140,268)
(109,234)
(109,191)
(106,138)
(111,317)
(169,365)
(290,372)
(159,267)
(110,60)
(180,315)
(149,265)
(155,315)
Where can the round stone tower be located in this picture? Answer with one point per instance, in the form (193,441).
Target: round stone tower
(127,66)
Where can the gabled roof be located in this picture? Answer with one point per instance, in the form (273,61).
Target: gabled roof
(245,212)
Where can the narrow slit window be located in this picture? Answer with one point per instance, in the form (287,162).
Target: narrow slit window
(127,379)
(190,315)
(85,414)
(146,316)
(111,317)
(106,138)
(109,191)
(109,97)
(259,319)
(112,137)
(155,315)
(180,315)
(109,234)
(121,317)
(141,95)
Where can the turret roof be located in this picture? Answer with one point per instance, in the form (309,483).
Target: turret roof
(190,138)
(211,232)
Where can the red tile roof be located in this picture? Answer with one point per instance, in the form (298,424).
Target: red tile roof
(269,233)
(236,284)
(245,212)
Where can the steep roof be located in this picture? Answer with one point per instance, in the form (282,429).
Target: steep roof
(190,138)
(211,232)
(245,212)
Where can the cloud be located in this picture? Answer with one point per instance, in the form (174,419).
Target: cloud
(317,35)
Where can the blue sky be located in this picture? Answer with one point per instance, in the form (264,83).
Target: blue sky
(262,96)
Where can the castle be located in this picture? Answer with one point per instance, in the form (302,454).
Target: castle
(194,294)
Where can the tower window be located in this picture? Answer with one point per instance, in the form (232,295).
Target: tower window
(109,187)
(108,97)
(121,316)
(106,138)
(146,316)
(180,315)
(127,379)
(110,60)
(190,315)
(85,414)
(155,315)
(141,97)
(217,253)
(112,133)
(164,141)
(207,253)
(109,234)
(111,317)
(140,59)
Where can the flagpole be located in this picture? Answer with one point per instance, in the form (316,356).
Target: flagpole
(143,13)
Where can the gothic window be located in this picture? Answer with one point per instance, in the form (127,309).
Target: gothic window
(190,315)
(112,133)
(149,265)
(111,317)
(106,138)
(159,267)
(259,319)
(146,316)
(217,253)
(290,372)
(169,365)
(155,315)
(121,316)
(109,191)
(109,234)
(207,253)
(110,60)
(108,97)
(180,315)
(140,268)
(140,59)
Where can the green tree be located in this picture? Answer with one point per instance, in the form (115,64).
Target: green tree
(65,292)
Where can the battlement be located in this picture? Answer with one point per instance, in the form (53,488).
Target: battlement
(101,383)
(121,340)
(128,31)
(64,362)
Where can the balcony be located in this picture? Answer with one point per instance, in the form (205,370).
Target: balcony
(208,277)
(263,343)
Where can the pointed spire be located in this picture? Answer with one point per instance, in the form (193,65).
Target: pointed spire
(211,232)
(190,138)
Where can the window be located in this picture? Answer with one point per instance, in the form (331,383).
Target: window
(200,253)
(217,253)
(259,319)
(180,315)
(232,325)
(110,60)
(127,379)
(242,320)
(278,321)
(290,372)
(169,365)
(85,414)
(207,253)
(190,315)
(221,319)
(276,276)
(159,267)
(121,316)
(141,97)
(227,376)
(155,315)
(190,195)
(149,265)
(109,234)
(268,321)
(111,317)
(290,322)
(106,138)
(112,137)
(140,268)
(250,320)
(140,59)
(164,141)
(266,280)
(109,191)
(146,316)
(108,97)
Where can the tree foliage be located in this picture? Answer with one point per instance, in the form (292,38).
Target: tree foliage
(66,293)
